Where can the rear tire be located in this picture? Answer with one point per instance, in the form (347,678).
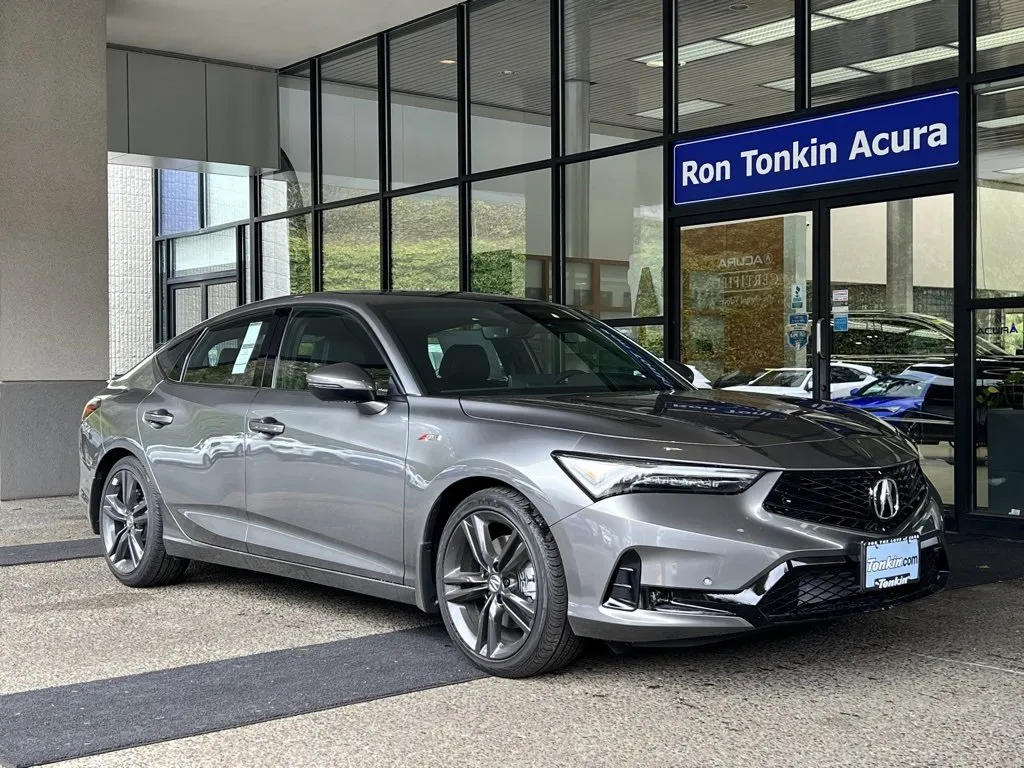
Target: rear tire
(132,528)
(501,587)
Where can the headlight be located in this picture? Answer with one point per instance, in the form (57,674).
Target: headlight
(601,478)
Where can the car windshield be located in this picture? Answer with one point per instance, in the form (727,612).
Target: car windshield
(477,347)
(893,386)
(780,379)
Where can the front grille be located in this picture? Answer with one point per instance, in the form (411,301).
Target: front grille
(843,498)
(821,591)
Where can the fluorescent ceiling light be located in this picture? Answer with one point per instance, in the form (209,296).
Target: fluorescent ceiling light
(766,33)
(862,9)
(909,59)
(781,85)
(702,49)
(1001,90)
(705,49)
(999,39)
(1002,122)
(835,75)
(825,77)
(776,30)
(820,22)
(685,108)
(1012,171)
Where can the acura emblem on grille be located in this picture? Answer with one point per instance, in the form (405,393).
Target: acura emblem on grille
(885,499)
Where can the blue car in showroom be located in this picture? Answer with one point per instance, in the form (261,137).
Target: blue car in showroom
(917,402)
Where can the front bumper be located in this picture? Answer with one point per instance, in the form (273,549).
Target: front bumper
(706,567)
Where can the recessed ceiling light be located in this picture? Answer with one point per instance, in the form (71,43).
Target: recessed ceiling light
(908,59)
(1002,122)
(861,9)
(781,85)
(447,61)
(765,33)
(835,75)
(705,49)
(999,39)
(685,108)
(739,7)
(1001,90)
(825,77)
(702,49)
(1012,171)
(508,71)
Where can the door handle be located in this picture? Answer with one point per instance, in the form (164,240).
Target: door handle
(268,426)
(819,349)
(157,419)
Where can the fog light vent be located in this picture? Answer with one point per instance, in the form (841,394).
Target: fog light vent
(624,591)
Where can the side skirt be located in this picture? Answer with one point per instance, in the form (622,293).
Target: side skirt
(192,550)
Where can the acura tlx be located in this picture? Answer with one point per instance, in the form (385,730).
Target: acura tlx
(523,470)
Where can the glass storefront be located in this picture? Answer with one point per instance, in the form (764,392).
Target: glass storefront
(741,281)
(522,147)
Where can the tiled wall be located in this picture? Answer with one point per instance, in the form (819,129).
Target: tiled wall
(130,215)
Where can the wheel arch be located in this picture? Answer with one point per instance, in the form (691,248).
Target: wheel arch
(440,511)
(99,478)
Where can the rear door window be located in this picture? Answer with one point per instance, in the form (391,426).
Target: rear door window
(232,354)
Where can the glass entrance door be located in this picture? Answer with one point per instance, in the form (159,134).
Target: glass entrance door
(889,302)
(745,310)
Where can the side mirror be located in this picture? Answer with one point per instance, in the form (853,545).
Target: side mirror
(681,369)
(808,386)
(855,391)
(342,382)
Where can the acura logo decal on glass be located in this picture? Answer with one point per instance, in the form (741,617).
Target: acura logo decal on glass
(885,499)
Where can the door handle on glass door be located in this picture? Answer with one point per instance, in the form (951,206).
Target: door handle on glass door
(268,426)
(157,419)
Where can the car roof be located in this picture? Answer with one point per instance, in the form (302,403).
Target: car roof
(362,299)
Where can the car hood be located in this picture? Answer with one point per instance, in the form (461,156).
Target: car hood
(701,417)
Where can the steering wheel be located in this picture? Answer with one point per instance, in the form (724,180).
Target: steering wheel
(564,376)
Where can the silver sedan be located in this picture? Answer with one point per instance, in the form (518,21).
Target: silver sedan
(521,469)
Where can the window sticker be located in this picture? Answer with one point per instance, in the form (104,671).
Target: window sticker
(248,345)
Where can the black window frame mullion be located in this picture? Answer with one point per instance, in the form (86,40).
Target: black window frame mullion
(670,70)
(201,199)
(964,281)
(802,56)
(241,272)
(465,153)
(384,154)
(557,78)
(670,260)
(316,152)
(159,300)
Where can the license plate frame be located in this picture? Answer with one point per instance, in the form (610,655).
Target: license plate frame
(890,563)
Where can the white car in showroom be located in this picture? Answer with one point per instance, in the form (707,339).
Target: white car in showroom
(796,382)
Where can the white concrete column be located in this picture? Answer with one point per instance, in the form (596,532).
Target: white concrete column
(899,255)
(53,236)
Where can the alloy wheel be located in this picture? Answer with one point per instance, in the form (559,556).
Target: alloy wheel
(490,587)
(124,521)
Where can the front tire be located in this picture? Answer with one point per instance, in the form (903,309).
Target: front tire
(501,587)
(131,527)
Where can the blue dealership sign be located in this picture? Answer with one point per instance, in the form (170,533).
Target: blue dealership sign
(916,134)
